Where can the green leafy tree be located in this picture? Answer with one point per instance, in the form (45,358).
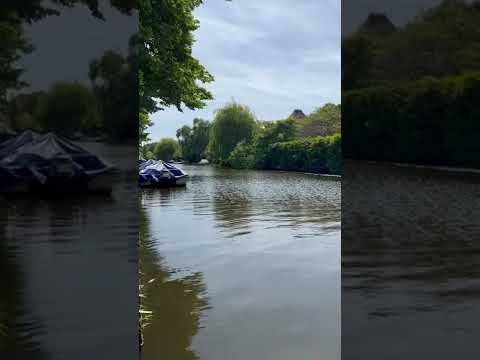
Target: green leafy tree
(14,45)
(193,141)
(166,149)
(243,156)
(324,121)
(233,124)
(144,121)
(357,61)
(21,110)
(442,41)
(66,108)
(268,134)
(34,10)
(113,76)
(171,75)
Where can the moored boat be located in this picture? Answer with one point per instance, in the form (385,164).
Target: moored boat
(160,174)
(33,162)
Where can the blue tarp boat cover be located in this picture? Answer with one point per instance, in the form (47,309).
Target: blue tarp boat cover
(157,172)
(34,158)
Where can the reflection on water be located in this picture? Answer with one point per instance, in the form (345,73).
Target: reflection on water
(171,300)
(410,263)
(17,333)
(246,266)
(69,271)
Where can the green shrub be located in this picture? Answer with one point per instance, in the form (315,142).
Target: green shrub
(166,149)
(66,108)
(317,155)
(242,157)
(434,121)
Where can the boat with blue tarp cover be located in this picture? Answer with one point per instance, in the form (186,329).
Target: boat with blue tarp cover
(159,173)
(33,162)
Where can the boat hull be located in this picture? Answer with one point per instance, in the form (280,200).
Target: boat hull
(163,183)
(101,184)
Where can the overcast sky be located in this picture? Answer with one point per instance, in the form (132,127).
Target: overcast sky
(272,55)
(65,44)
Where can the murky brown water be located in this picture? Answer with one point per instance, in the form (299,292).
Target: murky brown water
(246,266)
(410,263)
(69,271)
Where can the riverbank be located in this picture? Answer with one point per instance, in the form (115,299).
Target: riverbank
(432,168)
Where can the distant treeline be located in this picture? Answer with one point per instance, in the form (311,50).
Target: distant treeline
(411,93)
(235,138)
(439,42)
(103,107)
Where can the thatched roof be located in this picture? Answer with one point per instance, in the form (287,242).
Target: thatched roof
(377,24)
(297,114)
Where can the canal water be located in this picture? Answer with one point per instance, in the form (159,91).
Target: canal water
(410,263)
(242,265)
(68,269)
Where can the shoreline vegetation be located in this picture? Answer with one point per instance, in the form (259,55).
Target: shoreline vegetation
(236,139)
(101,111)
(426,111)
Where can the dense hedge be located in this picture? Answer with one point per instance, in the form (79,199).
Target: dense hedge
(316,155)
(433,121)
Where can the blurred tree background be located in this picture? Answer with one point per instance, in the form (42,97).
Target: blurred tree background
(410,93)
(66,107)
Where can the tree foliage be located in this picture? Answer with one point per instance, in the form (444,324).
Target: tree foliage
(234,123)
(357,61)
(324,121)
(237,140)
(14,45)
(432,121)
(144,121)
(113,78)
(416,98)
(165,149)
(14,14)
(193,141)
(34,10)
(316,154)
(171,75)
(21,110)
(277,146)
(66,108)
(439,42)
